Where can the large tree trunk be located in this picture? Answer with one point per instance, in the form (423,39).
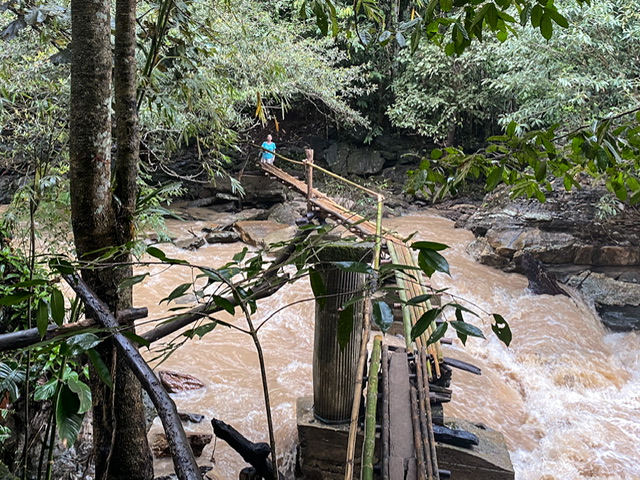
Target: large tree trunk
(102,222)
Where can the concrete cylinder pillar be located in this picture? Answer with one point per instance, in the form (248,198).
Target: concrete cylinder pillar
(334,367)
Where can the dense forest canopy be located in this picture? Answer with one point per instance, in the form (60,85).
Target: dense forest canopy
(544,91)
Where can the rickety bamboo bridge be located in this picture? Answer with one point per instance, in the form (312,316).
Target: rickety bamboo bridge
(411,379)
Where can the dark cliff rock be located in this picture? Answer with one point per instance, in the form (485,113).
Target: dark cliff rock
(568,234)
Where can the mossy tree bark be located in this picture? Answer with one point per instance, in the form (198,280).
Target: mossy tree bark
(102,214)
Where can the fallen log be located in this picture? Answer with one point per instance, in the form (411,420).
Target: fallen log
(26,338)
(255,454)
(183,460)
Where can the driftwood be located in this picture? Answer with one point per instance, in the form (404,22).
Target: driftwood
(183,460)
(26,338)
(255,454)
(541,282)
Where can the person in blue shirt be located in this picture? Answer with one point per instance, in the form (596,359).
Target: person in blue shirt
(268,157)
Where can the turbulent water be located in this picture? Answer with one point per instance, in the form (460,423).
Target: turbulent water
(566,393)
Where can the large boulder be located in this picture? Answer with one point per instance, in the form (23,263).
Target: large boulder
(364,162)
(336,157)
(598,255)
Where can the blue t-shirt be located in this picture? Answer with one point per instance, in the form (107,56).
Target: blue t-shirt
(271,147)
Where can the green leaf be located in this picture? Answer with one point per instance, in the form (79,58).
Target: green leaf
(446,5)
(178,292)
(82,342)
(541,170)
(42,318)
(136,339)
(101,368)
(429,246)
(15,298)
(224,304)
(502,36)
(61,265)
(557,17)
(438,333)
(201,330)
(460,308)
(382,316)
(494,177)
(83,392)
(418,300)
(10,380)
(57,306)
(67,417)
(501,329)
(46,390)
(238,257)
(467,329)
(345,326)
(536,15)
(318,288)
(131,281)
(160,255)
(434,260)
(436,154)
(546,27)
(424,321)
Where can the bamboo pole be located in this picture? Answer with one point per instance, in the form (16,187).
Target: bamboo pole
(368,448)
(309,163)
(425,418)
(432,440)
(385,412)
(417,436)
(353,427)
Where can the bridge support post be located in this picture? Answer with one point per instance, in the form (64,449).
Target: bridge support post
(309,164)
(334,367)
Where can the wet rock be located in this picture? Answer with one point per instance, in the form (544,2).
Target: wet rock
(255,232)
(364,162)
(190,243)
(175,382)
(287,213)
(600,257)
(191,417)
(197,441)
(203,471)
(336,157)
(280,236)
(222,237)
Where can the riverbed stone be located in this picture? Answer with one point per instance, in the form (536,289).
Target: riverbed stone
(193,243)
(254,232)
(228,236)
(176,382)
(197,441)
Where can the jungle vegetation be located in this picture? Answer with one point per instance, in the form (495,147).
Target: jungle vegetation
(93,95)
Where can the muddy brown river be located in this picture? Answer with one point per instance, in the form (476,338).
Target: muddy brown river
(566,393)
